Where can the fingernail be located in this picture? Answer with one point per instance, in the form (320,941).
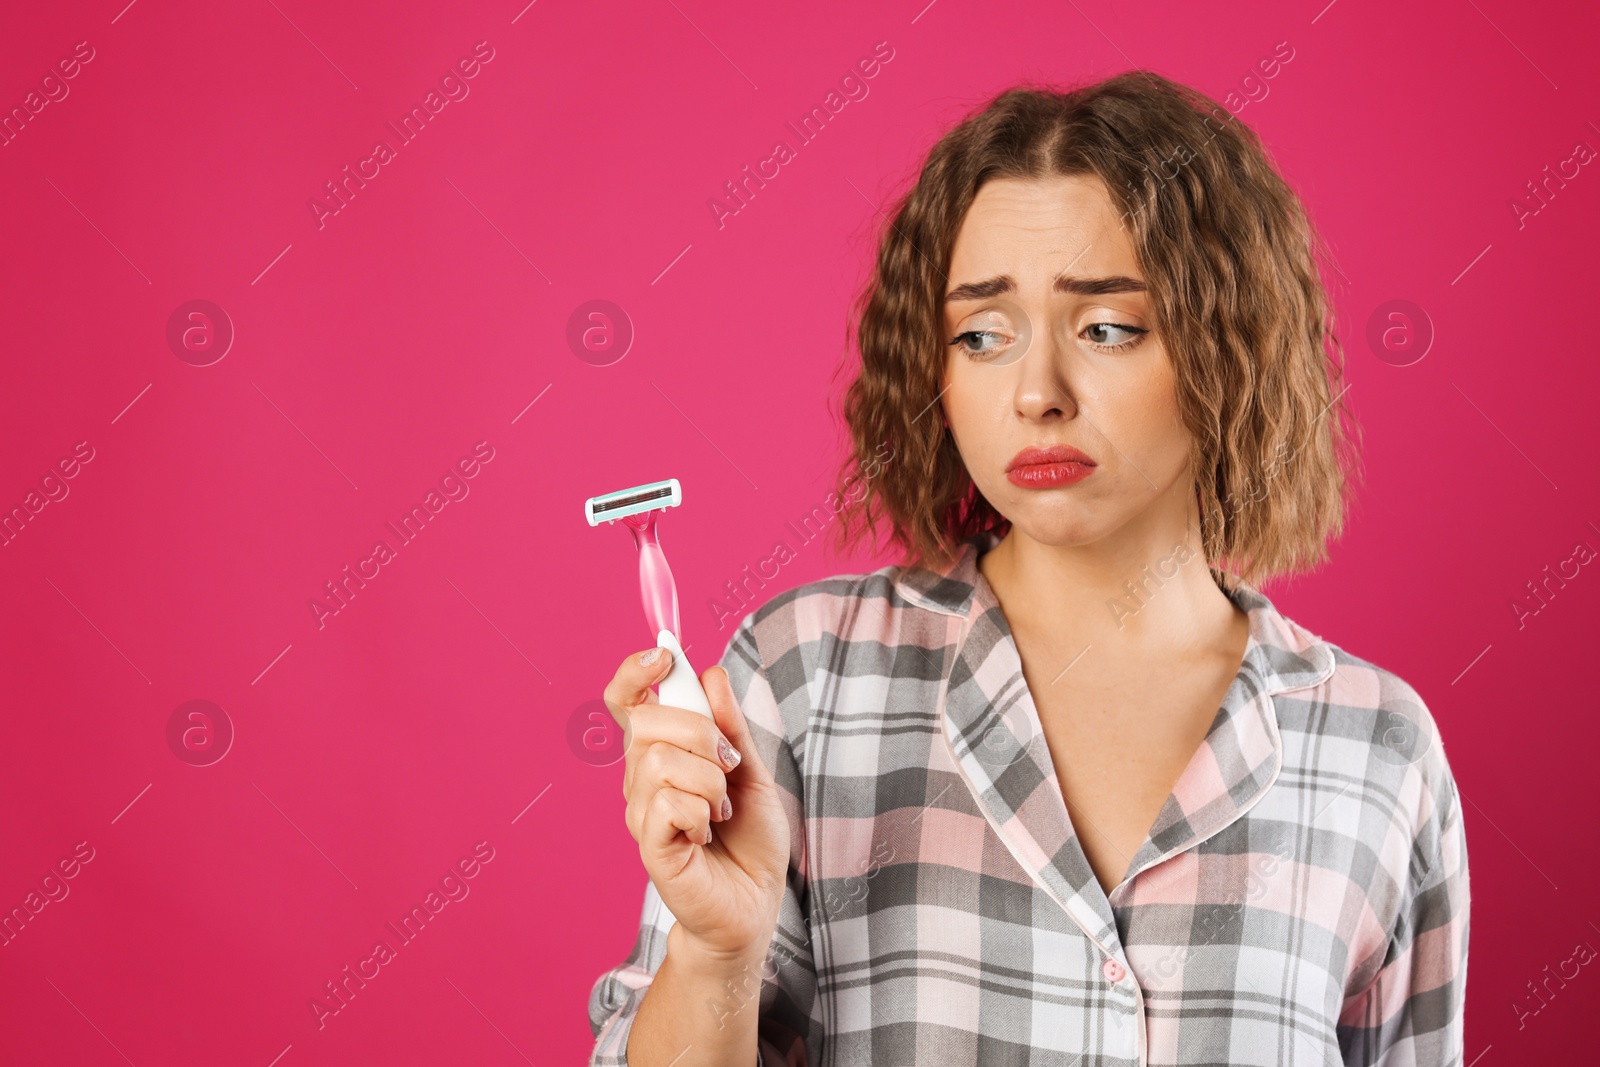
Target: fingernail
(708,835)
(730,755)
(727,809)
(647,658)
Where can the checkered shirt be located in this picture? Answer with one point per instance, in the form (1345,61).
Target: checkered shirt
(1301,898)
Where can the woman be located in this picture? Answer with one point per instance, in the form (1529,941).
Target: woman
(1064,787)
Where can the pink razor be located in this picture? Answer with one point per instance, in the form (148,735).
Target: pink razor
(639,508)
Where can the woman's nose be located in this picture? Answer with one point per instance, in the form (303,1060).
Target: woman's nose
(1043,386)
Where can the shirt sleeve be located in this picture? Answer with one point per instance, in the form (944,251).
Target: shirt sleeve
(1412,1013)
(789,1030)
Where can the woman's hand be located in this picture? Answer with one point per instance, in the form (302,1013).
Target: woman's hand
(723,888)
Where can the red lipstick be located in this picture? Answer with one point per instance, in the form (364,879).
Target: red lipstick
(1047,468)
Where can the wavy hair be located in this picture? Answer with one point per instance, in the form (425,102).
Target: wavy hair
(1230,259)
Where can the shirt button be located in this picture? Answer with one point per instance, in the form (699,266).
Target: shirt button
(1113,971)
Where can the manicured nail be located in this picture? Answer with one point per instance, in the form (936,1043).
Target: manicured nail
(708,835)
(647,658)
(730,755)
(727,809)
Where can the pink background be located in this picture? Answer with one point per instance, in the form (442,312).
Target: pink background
(372,353)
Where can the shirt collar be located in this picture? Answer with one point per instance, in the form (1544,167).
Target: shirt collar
(992,727)
(1285,656)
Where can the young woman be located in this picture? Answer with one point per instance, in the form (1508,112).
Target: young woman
(1064,787)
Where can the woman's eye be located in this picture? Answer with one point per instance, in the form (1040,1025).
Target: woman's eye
(1099,333)
(994,338)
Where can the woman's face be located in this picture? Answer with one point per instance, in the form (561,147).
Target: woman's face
(1051,343)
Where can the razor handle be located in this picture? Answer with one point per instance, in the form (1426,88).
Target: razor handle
(681,687)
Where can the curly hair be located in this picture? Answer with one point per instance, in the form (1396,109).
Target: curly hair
(1229,257)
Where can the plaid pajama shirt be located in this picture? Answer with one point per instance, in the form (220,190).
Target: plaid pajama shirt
(1301,898)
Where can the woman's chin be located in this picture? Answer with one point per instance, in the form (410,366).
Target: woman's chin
(1058,527)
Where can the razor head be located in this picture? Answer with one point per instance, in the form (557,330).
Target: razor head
(635,501)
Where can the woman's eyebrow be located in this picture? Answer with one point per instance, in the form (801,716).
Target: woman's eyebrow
(1065,283)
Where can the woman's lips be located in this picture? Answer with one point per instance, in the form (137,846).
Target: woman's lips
(1047,468)
(1049,475)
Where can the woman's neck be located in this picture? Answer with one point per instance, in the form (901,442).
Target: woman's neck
(1149,590)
